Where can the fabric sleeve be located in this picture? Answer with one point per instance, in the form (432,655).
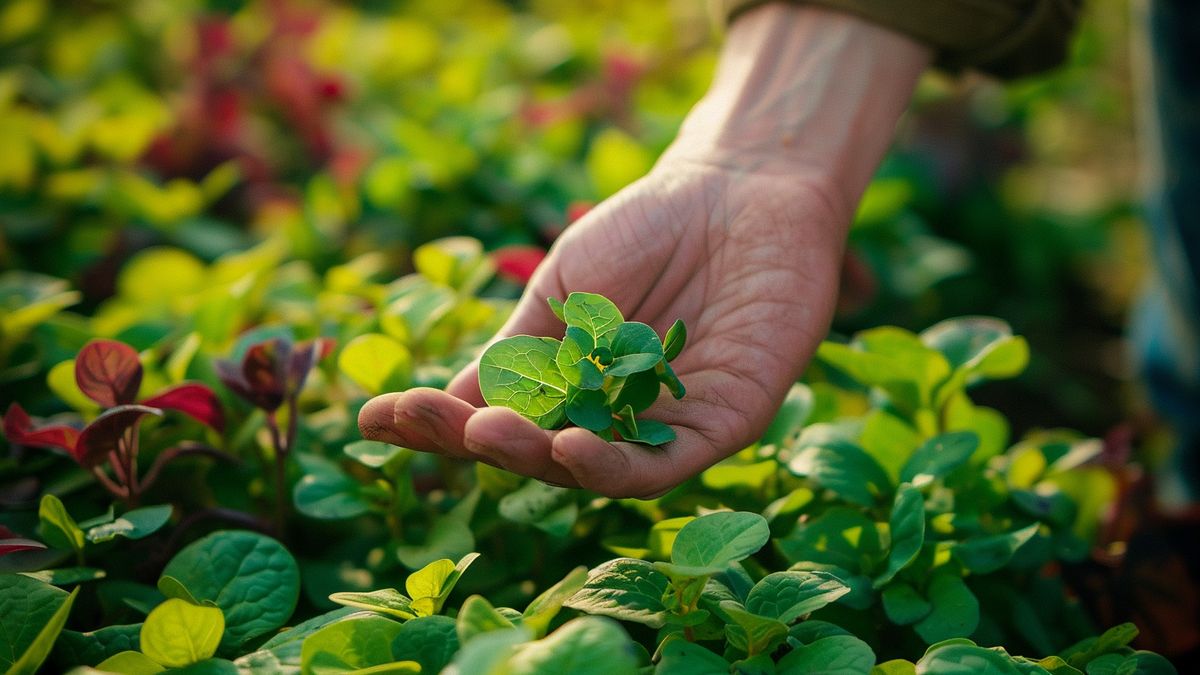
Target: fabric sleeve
(1005,38)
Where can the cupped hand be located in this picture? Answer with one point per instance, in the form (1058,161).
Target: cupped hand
(749,259)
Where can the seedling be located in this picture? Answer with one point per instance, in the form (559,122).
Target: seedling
(602,373)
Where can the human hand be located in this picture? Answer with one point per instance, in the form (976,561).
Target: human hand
(738,230)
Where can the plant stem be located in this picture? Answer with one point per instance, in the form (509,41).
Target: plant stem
(280,474)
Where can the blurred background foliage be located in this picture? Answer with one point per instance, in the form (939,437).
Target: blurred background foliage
(154,153)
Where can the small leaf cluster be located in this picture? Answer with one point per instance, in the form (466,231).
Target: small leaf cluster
(603,373)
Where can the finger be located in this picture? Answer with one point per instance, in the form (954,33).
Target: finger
(623,470)
(465,385)
(435,416)
(515,444)
(377,422)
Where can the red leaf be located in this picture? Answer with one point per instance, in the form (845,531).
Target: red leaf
(517,263)
(264,371)
(12,545)
(192,399)
(18,429)
(109,372)
(106,431)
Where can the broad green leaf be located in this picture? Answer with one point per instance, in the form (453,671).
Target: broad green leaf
(415,306)
(635,348)
(129,663)
(588,645)
(178,633)
(449,537)
(986,554)
(487,653)
(67,576)
(903,605)
(77,649)
(938,457)
(542,609)
(637,392)
(477,616)
(429,640)
(377,363)
(1145,663)
(751,633)
(56,527)
(589,409)
(171,587)
(718,539)
(350,645)
(862,591)
(962,656)
(808,632)
(1115,638)
(574,362)
(134,524)
(432,584)
(375,454)
(534,502)
(680,657)
(33,614)
(251,577)
(955,611)
(834,655)
(521,373)
(789,420)
(840,536)
(895,667)
(889,439)
(284,648)
(729,475)
(907,530)
(326,492)
(789,595)
(843,468)
(593,313)
(652,432)
(624,588)
(385,601)
(557,307)
(457,262)
(674,340)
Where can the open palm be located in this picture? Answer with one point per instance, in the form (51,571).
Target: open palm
(748,259)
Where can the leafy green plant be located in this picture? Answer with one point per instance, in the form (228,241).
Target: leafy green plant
(602,373)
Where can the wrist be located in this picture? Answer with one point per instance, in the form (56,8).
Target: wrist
(807,92)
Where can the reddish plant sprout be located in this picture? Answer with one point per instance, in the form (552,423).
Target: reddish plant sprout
(271,374)
(110,373)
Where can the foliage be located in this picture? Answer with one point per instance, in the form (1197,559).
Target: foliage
(602,373)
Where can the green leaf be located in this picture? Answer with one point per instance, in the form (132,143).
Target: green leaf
(251,577)
(907,529)
(593,313)
(326,492)
(385,601)
(34,615)
(840,536)
(588,645)
(573,362)
(626,589)
(171,587)
(614,160)
(652,432)
(680,657)
(556,306)
(939,456)
(637,392)
(135,524)
(67,576)
(542,610)
(895,667)
(129,663)
(636,348)
(377,363)
(488,652)
(431,641)
(675,339)
(903,605)
(789,420)
(457,262)
(534,502)
(589,409)
(178,633)
(450,537)
(432,584)
(843,468)
(788,595)
(834,655)
(77,649)
(963,656)
(1145,663)
(477,616)
(350,645)
(986,554)
(955,610)
(889,439)
(666,375)
(718,539)
(521,373)
(57,527)
(751,633)
(374,454)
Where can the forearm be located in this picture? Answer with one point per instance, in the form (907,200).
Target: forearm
(806,91)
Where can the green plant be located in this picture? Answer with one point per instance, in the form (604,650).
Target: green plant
(602,373)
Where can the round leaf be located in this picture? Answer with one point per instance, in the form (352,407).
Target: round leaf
(377,363)
(521,373)
(178,633)
(717,539)
(109,372)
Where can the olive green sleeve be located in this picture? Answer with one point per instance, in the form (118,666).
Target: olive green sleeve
(1006,38)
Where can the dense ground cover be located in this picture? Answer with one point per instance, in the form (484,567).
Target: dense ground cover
(213,227)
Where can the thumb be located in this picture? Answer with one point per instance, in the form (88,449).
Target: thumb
(531,316)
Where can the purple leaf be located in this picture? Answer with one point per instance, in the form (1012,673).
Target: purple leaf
(109,372)
(303,358)
(106,431)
